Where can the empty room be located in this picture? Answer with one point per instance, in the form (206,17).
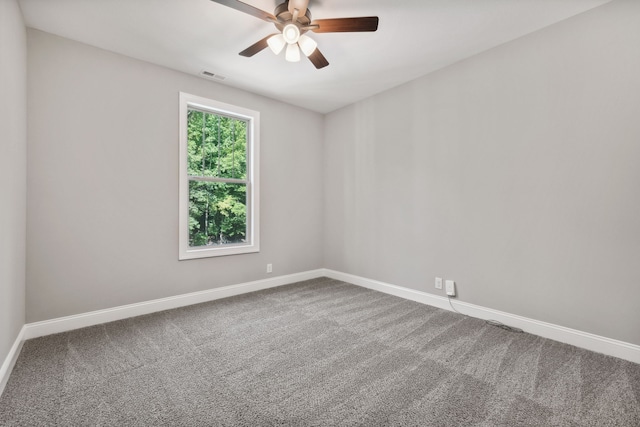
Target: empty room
(320,213)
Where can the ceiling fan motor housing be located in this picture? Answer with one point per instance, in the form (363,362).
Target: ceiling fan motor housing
(285,17)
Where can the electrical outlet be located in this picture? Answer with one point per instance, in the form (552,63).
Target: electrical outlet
(450,286)
(438,282)
(269,268)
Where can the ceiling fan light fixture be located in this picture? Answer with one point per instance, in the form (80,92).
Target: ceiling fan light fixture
(276,43)
(307,44)
(293,53)
(291,33)
(292,18)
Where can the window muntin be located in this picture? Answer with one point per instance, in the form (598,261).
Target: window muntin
(218,178)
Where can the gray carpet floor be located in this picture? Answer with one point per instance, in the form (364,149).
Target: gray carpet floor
(315,353)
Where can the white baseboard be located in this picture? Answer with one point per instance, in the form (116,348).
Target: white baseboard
(10,360)
(68,323)
(581,339)
(585,340)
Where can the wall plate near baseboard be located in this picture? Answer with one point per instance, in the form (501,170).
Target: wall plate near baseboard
(450,287)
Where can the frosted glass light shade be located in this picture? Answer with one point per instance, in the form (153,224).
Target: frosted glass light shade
(276,43)
(307,44)
(291,33)
(293,53)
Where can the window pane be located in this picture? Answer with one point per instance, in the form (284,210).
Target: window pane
(217,213)
(217,145)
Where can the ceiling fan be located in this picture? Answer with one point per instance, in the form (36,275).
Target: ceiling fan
(293,19)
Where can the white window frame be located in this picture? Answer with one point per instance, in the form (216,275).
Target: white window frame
(252,243)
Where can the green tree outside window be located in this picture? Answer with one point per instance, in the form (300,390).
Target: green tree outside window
(217,169)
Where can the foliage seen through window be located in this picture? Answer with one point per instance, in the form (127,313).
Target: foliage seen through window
(217,170)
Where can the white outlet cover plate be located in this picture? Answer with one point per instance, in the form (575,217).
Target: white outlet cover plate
(450,288)
(438,282)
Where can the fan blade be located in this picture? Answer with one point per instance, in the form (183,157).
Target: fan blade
(256,47)
(247,8)
(301,5)
(345,25)
(318,59)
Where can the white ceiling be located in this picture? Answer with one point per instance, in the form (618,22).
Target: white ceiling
(414,37)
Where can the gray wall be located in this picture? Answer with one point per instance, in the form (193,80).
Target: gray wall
(13,178)
(103,183)
(515,173)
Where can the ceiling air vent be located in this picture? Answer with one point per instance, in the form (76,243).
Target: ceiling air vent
(212,76)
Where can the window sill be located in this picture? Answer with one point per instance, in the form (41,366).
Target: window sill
(216,251)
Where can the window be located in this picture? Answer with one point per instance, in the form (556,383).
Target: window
(219,190)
